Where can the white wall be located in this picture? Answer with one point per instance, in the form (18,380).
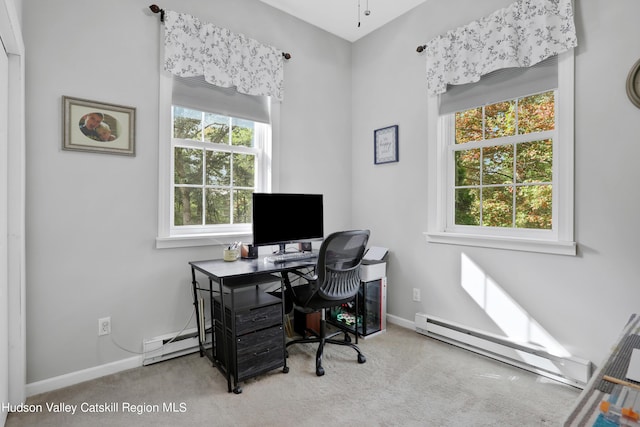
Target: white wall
(582,301)
(92,218)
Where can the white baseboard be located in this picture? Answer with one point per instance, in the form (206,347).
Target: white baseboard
(77,377)
(82,376)
(525,355)
(409,324)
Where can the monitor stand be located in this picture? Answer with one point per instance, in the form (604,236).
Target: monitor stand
(282,249)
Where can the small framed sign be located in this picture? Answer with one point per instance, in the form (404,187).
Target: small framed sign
(385,143)
(98,127)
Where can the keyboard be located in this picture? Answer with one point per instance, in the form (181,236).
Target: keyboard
(290,256)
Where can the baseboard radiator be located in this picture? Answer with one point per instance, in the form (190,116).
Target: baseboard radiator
(168,346)
(569,370)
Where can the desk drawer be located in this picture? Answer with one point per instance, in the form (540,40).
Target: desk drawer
(252,319)
(256,352)
(258,318)
(260,352)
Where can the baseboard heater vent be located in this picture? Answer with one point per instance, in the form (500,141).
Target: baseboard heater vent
(168,346)
(569,370)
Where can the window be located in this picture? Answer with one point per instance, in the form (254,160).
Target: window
(502,172)
(502,163)
(217,153)
(214,168)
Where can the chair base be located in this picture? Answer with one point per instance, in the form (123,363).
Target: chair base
(321,338)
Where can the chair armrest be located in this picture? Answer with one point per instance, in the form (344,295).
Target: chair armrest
(310,278)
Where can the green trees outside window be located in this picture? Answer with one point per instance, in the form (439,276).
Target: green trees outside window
(214,168)
(503,156)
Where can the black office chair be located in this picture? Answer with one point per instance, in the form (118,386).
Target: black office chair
(336,282)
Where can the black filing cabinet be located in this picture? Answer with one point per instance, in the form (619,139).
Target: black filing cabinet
(254,333)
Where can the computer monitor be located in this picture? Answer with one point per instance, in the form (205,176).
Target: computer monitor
(282,218)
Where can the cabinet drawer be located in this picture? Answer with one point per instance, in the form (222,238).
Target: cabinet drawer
(260,352)
(258,318)
(252,319)
(256,352)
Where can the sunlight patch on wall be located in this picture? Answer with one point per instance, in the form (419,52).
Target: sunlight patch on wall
(507,314)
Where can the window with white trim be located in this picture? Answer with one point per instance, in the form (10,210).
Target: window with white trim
(502,161)
(215,164)
(501,156)
(215,153)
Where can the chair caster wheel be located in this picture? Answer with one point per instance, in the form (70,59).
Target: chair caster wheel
(361,358)
(237,390)
(320,371)
(285,370)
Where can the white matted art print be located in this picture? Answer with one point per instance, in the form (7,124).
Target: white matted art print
(385,141)
(98,127)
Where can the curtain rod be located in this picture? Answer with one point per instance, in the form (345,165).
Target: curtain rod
(156,9)
(420,48)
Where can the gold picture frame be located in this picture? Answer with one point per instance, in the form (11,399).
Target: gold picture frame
(98,127)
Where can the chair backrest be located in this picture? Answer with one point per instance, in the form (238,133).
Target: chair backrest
(338,266)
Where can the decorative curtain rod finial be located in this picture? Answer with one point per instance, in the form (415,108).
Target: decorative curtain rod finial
(156,9)
(421,48)
(286,55)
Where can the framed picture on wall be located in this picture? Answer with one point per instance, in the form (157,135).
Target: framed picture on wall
(98,127)
(385,143)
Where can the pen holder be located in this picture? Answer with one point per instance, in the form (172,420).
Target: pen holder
(230,254)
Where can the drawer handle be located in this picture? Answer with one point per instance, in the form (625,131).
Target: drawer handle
(260,353)
(259,319)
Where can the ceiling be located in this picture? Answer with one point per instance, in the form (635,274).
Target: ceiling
(340,17)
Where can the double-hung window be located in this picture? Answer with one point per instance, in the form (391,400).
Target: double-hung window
(216,154)
(501,160)
(215,160)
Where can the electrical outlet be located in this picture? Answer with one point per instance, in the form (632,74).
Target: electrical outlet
(104,326)
(416,294)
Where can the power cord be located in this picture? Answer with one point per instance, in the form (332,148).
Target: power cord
(168,342)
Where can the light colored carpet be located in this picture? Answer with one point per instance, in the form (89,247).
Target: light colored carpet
(408,380)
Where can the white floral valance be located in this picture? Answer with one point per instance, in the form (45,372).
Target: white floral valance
(520,35)
(225,59)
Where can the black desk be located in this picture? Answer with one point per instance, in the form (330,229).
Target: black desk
(225,278)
